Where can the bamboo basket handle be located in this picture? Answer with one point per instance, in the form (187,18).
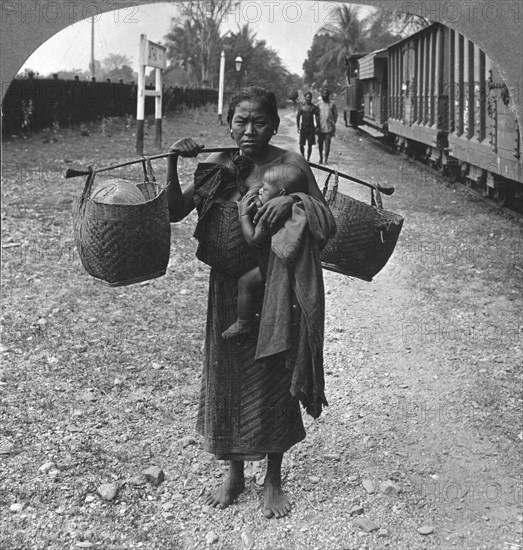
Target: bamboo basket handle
(148,171)
(384,190)
(326,184)
(87,187)
(375,198)
(335,185)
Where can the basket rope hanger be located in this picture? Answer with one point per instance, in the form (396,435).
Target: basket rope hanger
(73,173)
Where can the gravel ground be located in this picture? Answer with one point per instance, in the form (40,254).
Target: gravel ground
(423,434)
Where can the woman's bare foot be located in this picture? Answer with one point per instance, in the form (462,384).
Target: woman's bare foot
(226,493)
(238,328)
(275,503)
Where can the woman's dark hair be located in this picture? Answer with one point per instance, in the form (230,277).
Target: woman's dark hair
(255,93)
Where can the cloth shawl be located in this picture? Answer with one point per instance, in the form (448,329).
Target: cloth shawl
(295,275)
(213,180)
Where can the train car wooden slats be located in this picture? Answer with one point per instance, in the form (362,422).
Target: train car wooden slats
(452,81)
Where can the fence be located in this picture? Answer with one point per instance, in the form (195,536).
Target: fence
(34,103)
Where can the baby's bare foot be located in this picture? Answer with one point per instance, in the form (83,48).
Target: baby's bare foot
(237,329)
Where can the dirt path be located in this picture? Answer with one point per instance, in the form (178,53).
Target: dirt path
(423,372)
(427,351)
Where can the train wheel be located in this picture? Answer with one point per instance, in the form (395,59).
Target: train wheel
(486,191)
(451,171)
(502,196)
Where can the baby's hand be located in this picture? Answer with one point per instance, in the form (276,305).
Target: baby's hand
(255,192)
(247,204)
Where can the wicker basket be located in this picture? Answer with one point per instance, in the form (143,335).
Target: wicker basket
(123,244)
(366,236)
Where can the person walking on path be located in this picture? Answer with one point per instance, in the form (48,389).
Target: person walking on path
(309,115)
(328,116)
(252,385)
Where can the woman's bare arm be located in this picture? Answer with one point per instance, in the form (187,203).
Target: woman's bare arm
(180,201)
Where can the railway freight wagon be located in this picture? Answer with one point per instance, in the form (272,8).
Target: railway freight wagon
(449,105)
(353,109)
(373,79)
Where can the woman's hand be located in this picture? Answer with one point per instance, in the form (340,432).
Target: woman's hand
(186,147)
(274,212)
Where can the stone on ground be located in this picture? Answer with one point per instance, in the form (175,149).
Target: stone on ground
(356,510)
(108,491)
(368,486)
(154,475)
(390,488)
(211,538)
(366,524)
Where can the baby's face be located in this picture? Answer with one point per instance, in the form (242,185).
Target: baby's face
(269,190)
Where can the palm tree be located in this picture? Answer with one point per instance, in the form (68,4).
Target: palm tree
(180,47)
(348,35)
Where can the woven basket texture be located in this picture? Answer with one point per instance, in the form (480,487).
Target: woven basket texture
(121,244)
(365,240)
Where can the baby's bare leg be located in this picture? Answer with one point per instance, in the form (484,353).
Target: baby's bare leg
(249,285)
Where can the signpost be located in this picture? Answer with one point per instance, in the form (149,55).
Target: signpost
(150,55)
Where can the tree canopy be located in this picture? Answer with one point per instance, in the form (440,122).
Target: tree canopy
(353,32)
(194,43)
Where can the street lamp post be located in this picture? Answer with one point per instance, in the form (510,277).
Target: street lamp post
(237,65)
(220,88)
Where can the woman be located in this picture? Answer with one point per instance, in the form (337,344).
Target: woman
(246,408)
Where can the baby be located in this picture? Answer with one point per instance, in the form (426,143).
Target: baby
(277,180)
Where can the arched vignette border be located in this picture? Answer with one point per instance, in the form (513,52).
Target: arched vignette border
(494,25)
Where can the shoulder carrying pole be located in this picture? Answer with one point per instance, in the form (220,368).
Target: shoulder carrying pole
(73,173)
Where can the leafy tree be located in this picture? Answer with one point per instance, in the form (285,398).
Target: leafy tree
(181,49)
(348,35)
(115,61)
(352,33)
(402,23)
(124,73)
(261,65)
(321,43)
(202,41)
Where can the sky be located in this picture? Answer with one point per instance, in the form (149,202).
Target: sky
(287,26)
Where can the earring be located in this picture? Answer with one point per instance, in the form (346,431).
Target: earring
(274,132)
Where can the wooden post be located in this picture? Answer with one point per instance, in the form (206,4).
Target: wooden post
(152,55)
(158,107)
(140,106)
(220,88)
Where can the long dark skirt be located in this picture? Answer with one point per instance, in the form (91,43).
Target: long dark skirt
(246,410)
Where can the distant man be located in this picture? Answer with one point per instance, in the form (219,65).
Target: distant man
(327,126)
(308,113)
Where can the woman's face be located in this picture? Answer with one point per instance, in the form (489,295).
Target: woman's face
(252,127)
